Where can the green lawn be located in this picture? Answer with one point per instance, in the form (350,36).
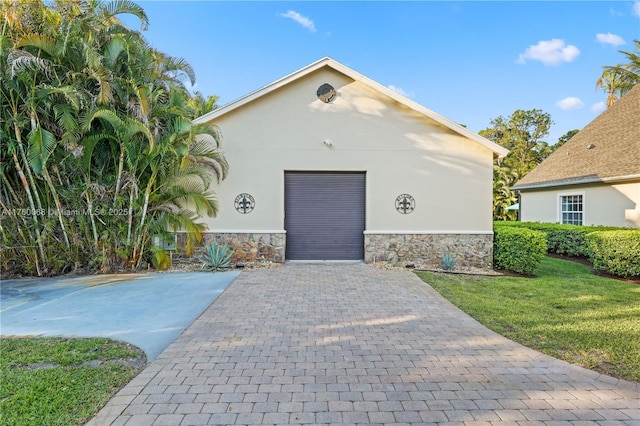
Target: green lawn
(565,312)
(54,381)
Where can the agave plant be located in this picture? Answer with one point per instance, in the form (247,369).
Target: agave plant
(217,257)
(448,262)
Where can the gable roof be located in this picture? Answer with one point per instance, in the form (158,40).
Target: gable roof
(606,150)
(497,150)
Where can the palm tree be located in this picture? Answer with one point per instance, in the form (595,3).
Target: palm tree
(201,105)
(503,196)
(91,115)
(619,79)
(183,165)
(611,83)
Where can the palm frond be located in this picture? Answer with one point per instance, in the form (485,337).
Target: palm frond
(19,61)
(114,48)
(109,116)
(42,42)
(102,77)
(207,134)
(89,143)
(191,183)
(120,7)
(130,182)
(71,94)
(175,68)
(65,117)
(168,208)
(41,146)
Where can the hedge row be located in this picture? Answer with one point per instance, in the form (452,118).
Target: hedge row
(616,252)
(518,249)
(610,249)
(566,240)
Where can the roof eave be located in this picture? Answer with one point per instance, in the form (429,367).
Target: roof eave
(264,90)
(498,151)
(574,181)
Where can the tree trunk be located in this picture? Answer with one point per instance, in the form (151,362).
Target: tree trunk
(56,200)
(34,212)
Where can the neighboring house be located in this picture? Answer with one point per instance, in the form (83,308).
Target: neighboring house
(594,178)
(326,164)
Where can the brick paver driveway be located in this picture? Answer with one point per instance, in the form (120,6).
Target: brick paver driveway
(351,344)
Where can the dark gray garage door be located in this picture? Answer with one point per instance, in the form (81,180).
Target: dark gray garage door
(324,215)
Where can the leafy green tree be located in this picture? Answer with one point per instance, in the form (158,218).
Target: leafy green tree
(522,133)
(565,138)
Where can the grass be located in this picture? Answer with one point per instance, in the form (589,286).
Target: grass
(56,381)
(565,311)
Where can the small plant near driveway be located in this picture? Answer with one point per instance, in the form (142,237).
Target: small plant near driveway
(217,257)
(448,262)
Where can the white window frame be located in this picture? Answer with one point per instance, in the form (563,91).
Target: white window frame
(568,194)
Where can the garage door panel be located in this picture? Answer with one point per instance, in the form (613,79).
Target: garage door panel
(324,215)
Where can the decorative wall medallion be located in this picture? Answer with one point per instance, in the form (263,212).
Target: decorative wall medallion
(326,93)
(244,203)
(405,203)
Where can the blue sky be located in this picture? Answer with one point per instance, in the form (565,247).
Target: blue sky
(468,61)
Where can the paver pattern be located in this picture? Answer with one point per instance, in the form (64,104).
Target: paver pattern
(352,344)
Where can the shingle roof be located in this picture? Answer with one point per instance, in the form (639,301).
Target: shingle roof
(607,149)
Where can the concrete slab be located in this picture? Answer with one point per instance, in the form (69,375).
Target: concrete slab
(146,310)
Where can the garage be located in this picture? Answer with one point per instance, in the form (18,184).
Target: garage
(324,215)
(327,164)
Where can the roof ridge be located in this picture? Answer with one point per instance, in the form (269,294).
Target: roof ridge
(498,150)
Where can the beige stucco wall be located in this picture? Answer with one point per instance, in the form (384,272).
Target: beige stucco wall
(401,151)
(611,205)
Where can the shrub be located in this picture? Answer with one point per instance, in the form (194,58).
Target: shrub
(518,249)
(217,257)
(161,259)
(568,240)
(616,252)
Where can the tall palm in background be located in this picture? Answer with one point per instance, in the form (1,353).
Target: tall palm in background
(618,79)
(611,83)
(98,151)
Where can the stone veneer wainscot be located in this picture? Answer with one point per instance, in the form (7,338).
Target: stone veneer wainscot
(421,250)
(248,246)
(426,250)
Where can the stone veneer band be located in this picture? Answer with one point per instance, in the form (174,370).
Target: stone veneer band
(424,251)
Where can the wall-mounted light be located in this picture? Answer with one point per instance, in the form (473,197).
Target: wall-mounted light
(328,142)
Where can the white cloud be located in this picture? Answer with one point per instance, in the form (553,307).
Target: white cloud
(400,90)
(598,107)
(570,103)
(614,12)
(612,39)
(302,20)
(549,52)
(636,8)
